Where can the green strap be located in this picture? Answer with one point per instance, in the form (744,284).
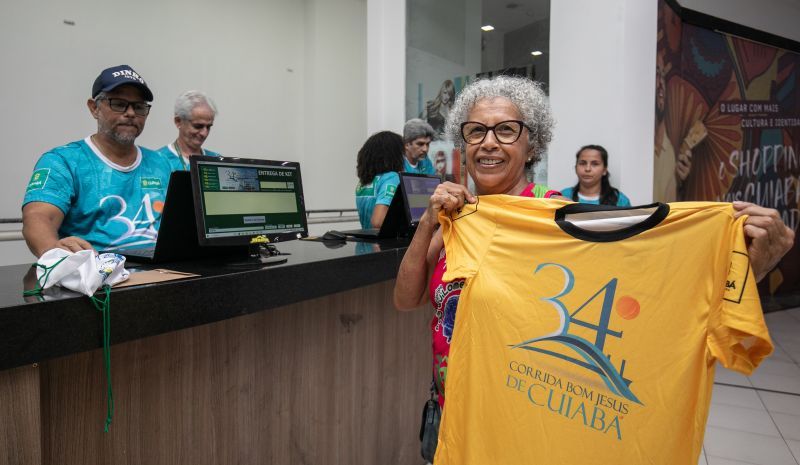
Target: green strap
(103,305)
(41,281)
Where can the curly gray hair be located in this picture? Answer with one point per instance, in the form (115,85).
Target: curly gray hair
(190,99)
(526,95)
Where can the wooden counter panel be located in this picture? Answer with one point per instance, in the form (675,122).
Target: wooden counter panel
(335,380)
(20,416)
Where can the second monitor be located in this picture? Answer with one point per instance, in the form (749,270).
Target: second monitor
(238,199)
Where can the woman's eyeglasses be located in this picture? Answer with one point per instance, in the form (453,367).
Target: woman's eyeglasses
(506,132)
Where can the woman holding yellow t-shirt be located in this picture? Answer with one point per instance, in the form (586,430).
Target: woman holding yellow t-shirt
(503,125)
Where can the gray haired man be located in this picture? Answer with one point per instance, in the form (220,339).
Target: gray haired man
(194,116)
(417,136)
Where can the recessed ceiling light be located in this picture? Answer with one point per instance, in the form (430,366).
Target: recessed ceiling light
(487,28)
(536,53)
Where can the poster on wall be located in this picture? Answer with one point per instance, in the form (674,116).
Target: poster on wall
(727,125)
(442,153)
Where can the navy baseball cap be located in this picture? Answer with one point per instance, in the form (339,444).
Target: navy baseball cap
(111,78)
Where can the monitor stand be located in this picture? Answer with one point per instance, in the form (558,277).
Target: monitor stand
(259,255)
(267,254)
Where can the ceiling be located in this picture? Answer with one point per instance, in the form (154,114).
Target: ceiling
(508,15)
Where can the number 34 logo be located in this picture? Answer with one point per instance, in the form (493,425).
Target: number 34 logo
(141,228)
(590,355)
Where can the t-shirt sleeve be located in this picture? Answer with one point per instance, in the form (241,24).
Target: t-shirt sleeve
(467,236)
(387,186)
(738,335)
(51,182)
(623,200)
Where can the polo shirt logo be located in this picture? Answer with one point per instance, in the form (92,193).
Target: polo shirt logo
(365,191)
(151,183)
(38,179)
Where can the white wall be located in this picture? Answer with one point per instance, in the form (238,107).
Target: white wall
(288,77)
(333,125)
(386,65)
(601,91)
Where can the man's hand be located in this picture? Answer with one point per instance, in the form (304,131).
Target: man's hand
(72,244)
(768,238)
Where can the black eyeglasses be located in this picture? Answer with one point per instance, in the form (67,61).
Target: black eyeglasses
(506,132)
(120,105)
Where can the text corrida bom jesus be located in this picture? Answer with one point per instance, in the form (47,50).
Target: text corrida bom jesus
(570,400)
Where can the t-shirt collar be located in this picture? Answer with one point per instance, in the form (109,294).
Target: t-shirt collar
(104,159)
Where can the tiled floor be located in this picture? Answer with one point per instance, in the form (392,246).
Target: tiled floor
(756,419)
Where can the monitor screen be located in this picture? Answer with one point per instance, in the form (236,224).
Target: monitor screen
(237,199)
(417,190)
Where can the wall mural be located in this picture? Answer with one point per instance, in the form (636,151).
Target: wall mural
(728,125)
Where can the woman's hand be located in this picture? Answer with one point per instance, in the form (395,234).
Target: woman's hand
(768,239)
(448,197)
(410,289)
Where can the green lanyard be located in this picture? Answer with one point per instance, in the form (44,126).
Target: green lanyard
(103,305)
(180,155)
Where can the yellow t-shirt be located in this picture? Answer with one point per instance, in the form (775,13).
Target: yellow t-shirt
(592,341)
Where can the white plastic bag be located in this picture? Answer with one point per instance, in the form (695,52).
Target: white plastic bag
(81,271)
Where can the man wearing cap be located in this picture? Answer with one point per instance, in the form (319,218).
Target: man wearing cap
(417,136)
(102,192)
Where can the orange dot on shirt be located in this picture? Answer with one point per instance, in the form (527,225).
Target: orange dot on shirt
(158,206)
(627,307)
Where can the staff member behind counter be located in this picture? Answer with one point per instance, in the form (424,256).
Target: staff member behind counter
(194,116)
(377,166)
(102,192)
(417,137)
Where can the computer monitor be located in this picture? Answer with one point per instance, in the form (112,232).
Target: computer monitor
(237,199)
(417,189)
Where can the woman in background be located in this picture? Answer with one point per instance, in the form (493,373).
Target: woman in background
(377,165)
(591,167)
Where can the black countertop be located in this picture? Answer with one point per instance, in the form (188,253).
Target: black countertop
(32,330)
